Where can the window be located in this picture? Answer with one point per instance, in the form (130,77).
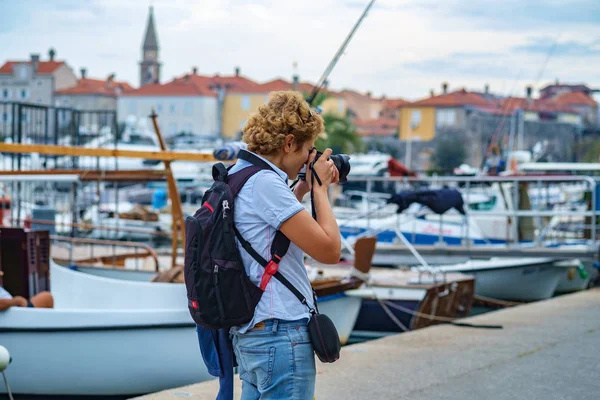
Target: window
(485,205)
(173,129)
(415,118)
(445,117)
(24,94)
(159,108)
(189,127)
(39,100)
(22,72)
(245,103)
(172,108)
(187,108)
(132,108)
(6,117)
(6,94)
(39,83)
(341,106)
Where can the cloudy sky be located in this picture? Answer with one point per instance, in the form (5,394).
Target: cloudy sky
(403,48)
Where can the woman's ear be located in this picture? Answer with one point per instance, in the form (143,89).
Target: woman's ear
(289,143)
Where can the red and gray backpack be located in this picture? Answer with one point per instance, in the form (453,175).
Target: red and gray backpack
(220,293)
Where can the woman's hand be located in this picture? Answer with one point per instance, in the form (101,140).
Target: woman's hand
(303,186)
(325,169)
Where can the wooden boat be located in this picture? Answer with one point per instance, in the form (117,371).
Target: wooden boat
(396,300)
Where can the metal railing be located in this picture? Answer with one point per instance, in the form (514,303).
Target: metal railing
(513,210)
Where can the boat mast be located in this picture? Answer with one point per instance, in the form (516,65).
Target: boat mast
(176,211)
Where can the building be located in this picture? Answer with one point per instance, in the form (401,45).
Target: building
(363,107)
(391,108)
(377,128)
(421,120)
(550,91)
(92,94)
(35,80)
(578,97)
(150,65)
(184,105)
(242,97)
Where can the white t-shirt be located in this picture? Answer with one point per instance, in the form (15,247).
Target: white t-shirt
(4,294)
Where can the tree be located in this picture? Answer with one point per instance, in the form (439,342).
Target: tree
(340,135)
(449,153)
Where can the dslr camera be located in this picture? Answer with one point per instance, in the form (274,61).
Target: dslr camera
(341,162)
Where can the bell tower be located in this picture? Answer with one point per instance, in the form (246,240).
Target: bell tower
(149,66)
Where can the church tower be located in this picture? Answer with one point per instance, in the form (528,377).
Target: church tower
(149,66)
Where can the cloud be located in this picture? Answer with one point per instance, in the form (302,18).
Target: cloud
(549,45)
(461,64)
(403,48)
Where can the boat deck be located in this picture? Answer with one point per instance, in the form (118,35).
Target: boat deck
(546,350)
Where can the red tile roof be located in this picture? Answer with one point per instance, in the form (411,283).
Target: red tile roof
(574,99)
(510,104)
(453,99)
(97,86)
(377,127)
(44,67)
(394,103)
(186,86)
(304,87)
(232,84)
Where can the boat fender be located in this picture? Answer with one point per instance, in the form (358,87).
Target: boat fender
(5,358)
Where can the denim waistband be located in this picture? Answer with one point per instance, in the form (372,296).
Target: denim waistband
(274,324)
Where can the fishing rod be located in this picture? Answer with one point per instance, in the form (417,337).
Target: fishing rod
(337,56)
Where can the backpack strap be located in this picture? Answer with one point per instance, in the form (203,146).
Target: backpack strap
(271,267)
(280,244)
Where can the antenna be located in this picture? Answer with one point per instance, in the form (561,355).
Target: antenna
(337,56)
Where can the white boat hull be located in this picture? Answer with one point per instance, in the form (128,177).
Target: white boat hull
(571,281)
(518,284)
(110,336)
(100,352)
(512,279)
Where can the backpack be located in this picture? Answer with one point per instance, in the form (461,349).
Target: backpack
(220,293)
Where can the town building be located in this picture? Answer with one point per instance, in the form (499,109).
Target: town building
(90,94)
(35,80)
(183,105)
(150,65)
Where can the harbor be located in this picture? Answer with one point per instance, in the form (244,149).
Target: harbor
(460,257)
(539,350)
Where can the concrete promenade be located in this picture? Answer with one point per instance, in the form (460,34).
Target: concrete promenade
(547,350)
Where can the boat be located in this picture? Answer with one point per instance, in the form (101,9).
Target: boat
(134,331)
(578,276)
(395,300)
(511,279)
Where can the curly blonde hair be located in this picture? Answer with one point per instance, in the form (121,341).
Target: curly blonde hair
(286,113)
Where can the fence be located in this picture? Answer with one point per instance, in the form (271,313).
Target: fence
(35,124)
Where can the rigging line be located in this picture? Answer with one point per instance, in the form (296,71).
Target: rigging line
(537,80)
(338,55)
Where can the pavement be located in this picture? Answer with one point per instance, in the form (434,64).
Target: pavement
(546,350)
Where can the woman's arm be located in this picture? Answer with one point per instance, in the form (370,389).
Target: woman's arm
(319,239)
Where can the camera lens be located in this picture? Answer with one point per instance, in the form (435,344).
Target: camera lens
(342,163)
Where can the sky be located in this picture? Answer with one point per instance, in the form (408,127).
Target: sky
(404,48)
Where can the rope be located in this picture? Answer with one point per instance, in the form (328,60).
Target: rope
(7,386)
(391,315)
(448,320)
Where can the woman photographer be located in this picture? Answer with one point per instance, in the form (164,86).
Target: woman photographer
(273,351)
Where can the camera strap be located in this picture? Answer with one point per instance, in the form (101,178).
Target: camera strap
(313,176)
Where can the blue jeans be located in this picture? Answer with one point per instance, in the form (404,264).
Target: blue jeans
(276,361)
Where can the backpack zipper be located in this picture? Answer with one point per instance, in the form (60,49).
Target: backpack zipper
(218,291)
